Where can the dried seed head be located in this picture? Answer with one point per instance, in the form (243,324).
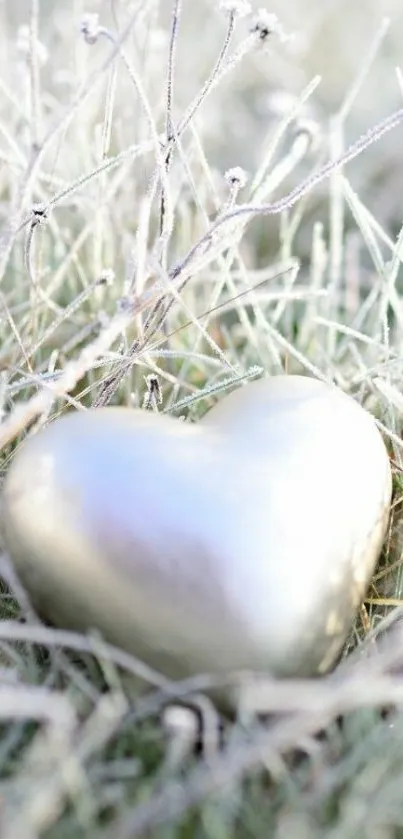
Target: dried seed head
(90,28)
(106,277)
(236,177)
(267,23)
(40,214)
(239,8)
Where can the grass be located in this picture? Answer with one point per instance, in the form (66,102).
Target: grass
(140,264)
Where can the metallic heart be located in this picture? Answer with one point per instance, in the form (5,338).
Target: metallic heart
(246,540)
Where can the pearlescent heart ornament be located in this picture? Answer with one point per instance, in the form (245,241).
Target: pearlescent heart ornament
(245,541)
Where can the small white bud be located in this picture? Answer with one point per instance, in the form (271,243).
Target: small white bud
(236,177)
(106,277)
(240,8)
(90,28)
(266,24)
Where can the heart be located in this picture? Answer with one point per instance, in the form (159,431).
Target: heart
(243,541)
